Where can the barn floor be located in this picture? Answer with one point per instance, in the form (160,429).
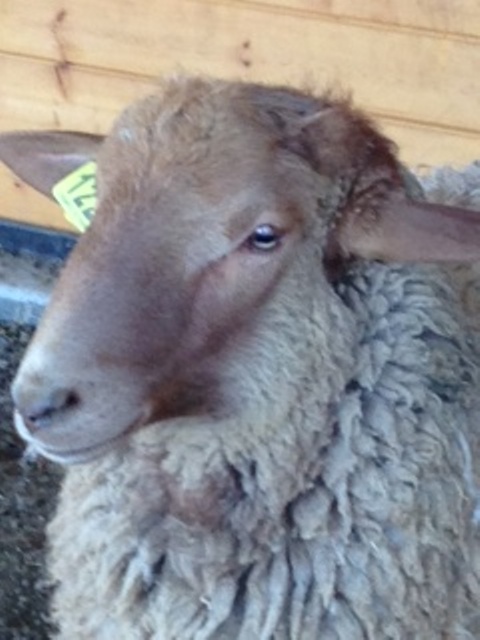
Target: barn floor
(27,498)
(28,488)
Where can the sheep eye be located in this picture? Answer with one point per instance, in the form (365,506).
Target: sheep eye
(265,238)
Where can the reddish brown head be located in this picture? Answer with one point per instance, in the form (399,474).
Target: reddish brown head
(219,204)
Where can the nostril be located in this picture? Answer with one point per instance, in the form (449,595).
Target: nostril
(40,412)
(71,400)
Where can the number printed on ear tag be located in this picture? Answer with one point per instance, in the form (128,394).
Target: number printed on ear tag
(77,195)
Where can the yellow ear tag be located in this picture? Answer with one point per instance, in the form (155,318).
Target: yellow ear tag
(77,195)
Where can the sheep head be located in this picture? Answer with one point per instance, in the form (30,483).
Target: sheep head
(221,209)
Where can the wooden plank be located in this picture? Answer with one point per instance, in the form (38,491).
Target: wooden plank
(421,146)
(36,94)
(458,19)
(398,73)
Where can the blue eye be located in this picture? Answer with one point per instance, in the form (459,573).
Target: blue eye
(264,238)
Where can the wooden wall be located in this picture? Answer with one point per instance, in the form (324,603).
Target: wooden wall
(73,64)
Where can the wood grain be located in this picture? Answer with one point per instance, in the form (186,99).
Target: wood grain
(457,18)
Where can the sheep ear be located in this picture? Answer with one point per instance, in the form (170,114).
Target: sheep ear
(403,230)
(42,159)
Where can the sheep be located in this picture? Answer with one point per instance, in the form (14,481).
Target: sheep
(263,388)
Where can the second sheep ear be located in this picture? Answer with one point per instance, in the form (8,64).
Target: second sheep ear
(42,159)
(403,230)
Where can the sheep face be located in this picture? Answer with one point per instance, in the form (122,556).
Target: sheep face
(200,219)
(204,260)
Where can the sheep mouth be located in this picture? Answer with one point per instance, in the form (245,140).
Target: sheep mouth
(74,455)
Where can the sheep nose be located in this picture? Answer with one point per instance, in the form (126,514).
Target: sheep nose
(39,407)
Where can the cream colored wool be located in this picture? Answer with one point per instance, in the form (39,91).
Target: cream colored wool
(348,485)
